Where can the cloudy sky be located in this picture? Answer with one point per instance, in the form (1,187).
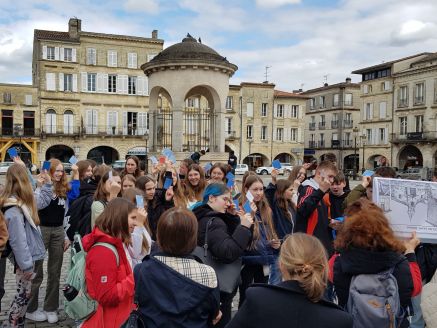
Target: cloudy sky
(302,41)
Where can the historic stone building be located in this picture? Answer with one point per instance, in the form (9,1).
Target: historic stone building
(414,136)
(377,111)
(92,94)
(331,123)
(20,121)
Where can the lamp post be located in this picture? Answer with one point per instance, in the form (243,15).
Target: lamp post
(250,140)
(18,132)
(363,140)
(355,169)
(146,139)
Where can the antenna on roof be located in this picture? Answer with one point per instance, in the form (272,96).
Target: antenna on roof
(325,78)
(266,74)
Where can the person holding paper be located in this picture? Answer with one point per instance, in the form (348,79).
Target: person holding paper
(54,232)
(229,233)
(366,244)
(312,212)
(108,188)
(264,247)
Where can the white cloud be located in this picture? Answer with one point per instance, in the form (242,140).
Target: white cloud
(414,31)
(146,6)
(275,3)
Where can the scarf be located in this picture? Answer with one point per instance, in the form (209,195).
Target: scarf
(11,201)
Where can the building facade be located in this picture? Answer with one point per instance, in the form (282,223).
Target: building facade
(92,94)
(414,137)
(263,124)
(331,124)
(377,111)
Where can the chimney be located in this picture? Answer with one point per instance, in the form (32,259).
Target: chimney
(348,80)
(154,34)
(74,27)
(326,84)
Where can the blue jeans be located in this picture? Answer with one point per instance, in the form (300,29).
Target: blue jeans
(417,319)
(275,276)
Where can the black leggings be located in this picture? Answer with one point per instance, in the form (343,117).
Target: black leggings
(252,273)
(226,308)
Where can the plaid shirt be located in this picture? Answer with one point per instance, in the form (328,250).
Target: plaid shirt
(190,268)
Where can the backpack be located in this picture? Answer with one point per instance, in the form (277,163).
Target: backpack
(79,216)
(77,303)
(374,301)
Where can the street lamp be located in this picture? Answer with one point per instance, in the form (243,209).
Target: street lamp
(363,140)
(355,169)
(18,132)
(250,140)
(146,139)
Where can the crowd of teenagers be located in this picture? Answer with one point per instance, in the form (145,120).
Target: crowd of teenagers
(173,248)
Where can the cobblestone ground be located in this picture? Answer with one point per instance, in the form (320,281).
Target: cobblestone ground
(64,321)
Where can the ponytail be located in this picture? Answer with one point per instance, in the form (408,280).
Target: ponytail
(303,258)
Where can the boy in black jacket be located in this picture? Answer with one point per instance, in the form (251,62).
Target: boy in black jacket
(336,196)
(312,212)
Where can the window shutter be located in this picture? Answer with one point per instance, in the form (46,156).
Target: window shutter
(382,109)
(99,82)
(385,136)
(139,86)
(61,81)
(299,135)
(123,83)
(374,135)
(105,82)
(94,113)
(44,52)
(129,60)
(146,86)
(51,81)
(142,123)
(73,54)
(366,88)
(68,123)
(84,81)
(134,61)
(124,122)
(108,59)
(61,54)
(119,84)
(275,112)
(74,82)
(56,53)
(371,111)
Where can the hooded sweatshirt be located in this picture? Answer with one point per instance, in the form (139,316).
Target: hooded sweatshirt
(312,214)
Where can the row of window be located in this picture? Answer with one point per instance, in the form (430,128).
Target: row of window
(368,113)
(377,74)
(133,123)
(99,82)
(281,134)
(335,118)
(321,101)
(384,86)
(281,110)
(418,94)
(112,58)
(7,99)
(416,124)
(373,136)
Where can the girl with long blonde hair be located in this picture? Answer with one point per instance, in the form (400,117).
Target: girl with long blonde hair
(53,229)
(20,208)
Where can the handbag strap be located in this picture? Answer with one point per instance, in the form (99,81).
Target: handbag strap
(205,245)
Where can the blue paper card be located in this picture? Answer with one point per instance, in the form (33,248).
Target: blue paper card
(368,173)
(230,183)
(247,207)
(140,201)
(154,160)
(167,152)
(172,158)
(230,176)
(73,160)
(12,152)
(168,183)
(207,167)
(276,164)
(46,165)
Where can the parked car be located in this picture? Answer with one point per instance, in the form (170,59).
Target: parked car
(4,167)
(119,165)
(286,167)
(241,169)
(263,170)
(413,173)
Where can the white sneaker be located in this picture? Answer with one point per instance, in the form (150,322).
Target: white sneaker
(38,315)
(52,317)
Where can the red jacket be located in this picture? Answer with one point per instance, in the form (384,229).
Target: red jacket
(113,287)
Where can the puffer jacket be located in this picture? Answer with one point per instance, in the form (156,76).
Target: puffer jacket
(110,285)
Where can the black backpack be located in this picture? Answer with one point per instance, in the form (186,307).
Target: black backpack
(79,216)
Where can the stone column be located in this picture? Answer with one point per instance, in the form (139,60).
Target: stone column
(219,129)
(177,127)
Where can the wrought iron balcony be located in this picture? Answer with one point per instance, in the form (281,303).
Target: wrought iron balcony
(413,137)
(322,125)
(348,124)
(334,124)
(312,126)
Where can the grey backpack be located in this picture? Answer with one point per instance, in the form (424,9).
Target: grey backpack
(374,301)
